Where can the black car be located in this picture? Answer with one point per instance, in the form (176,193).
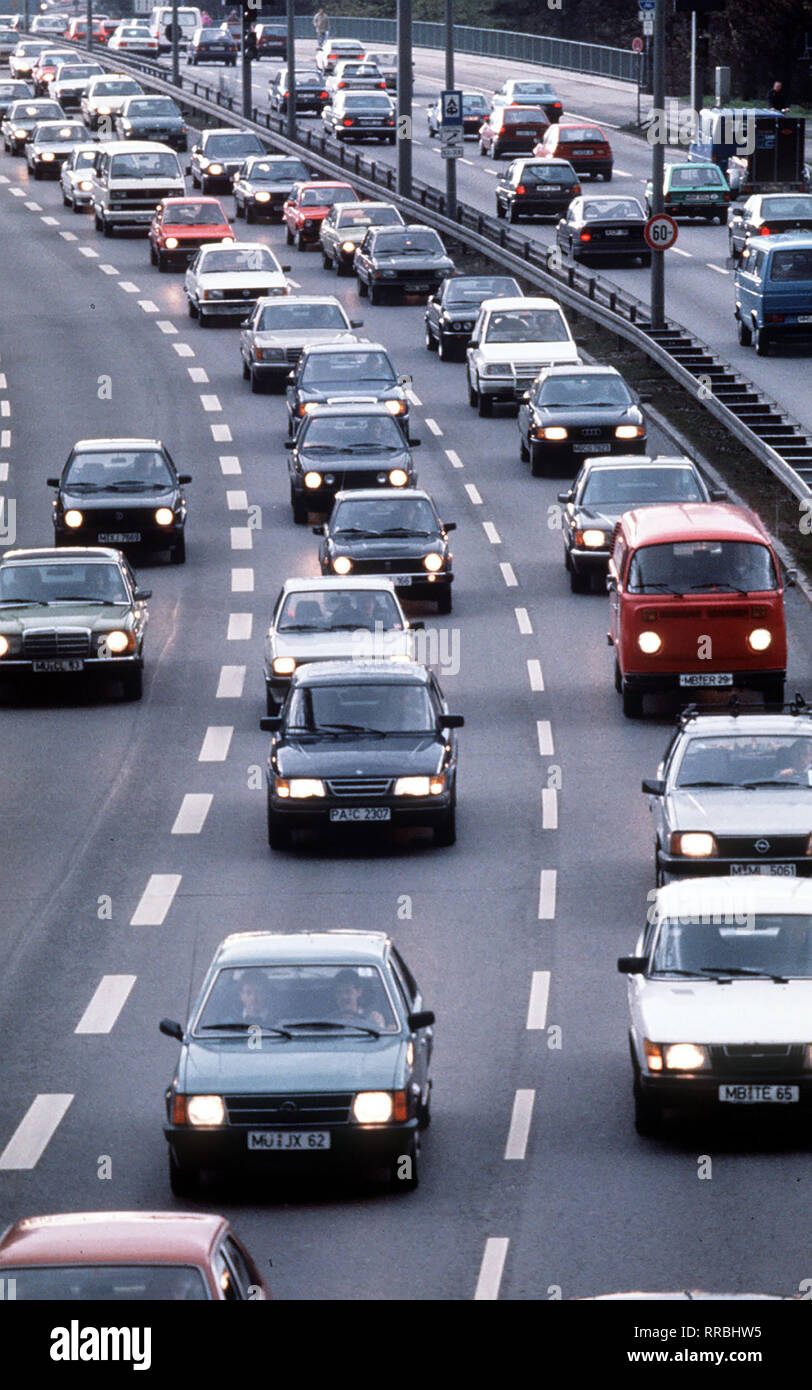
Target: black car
(360,116)
(212,46)
(604,489)
(263,184)
(346,446)
(573,411)
(410,259)
(219,155)
(360,743)
(152,118)
(303,1051)
(536,188)
(343,373)
(451,311)
(14,89)
(394,533)
(475,109)
(311,93)
(765,214)
(121,492)
(603,226)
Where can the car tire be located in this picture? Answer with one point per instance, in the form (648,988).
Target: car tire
(195,180)
(65,199)
(538,466)
(608,177)
(647,1116)
(660,876)
(153,255)
(445,830)
(279,834)
(431,341)
(744,334)
(579,583)
(183,1182)
(632,703)
(192,309)
(132,683)
(327,261)
(645,259)
(424,1111)
(495,151)
(271,707)
(484,405)
(108,229)
(205,320)
(162,262)
(524,452)
(97,222)
(500,211)
(246,370)
(256,382)
(761,342)
(445,351)
(513,213)
(301,244)
(362,288)
(74,206)
(374,294)
(299,507)
(482,149)
(406,1183)
(288,235)
(239,211)
(473,394)
(177,555)
(444,601)
(618,677)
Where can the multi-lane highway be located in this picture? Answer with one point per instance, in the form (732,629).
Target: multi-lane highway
(533,1182)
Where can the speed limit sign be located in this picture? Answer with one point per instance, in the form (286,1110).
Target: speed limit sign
(660,231)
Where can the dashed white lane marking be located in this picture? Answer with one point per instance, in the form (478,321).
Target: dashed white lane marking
(221,434)
(679,252)
(50,221)
(539,995)
(108,270)
(467,161)
(166,325)
(547,889)
(5,408)
(69,236)
(242,581)
(210,403)
(454,458)
(413,398)
(240,627)
(535,674)
(519,1132)
(216,743)
(5,439)
(104,1008)
(149,306)
(433,426)
(720,270)
(20,193)
(229,464)
(88,251)
(621,173)
(509,575)
(3,178)
(241,538)
(34,1132)
(491,1269)
(35,207)
(237,501)
(473,494)
(231,682)
(523,619)
(3,472)
(492,533)
(184,349)
(294,284)
(590,120)
(198,375)
(128,287)
(191,817)
(155,900)
(544,730)
(549,808)
(494,173)
(3,382)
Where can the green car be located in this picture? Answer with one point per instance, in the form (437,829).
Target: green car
(72,611)
(693,190)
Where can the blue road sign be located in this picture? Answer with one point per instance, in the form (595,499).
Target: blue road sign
(451,109)
(646,6)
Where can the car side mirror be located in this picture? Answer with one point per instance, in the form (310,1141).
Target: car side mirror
(356,323)
(415,443)
(419,626)
(790,579)
(270,723)
(290,444)
(653,786)
(451,721)
(245,323)
(184,477)
(141,595)
(170,1029)
(423,1019)
(611,583)
(525,395)
(405,381)
(564,496)
(291,376)
(449,525)
(52,482)
(287,267)
(317,530)
(632,965)
(718,494)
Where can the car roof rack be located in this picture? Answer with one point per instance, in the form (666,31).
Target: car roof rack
(734,708)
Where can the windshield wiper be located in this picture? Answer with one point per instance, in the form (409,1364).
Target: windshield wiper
(358,531)
(346,728)
(231,1026)
(646,585)
(70,486)
(745,970)
(322,448)
(299,627)
(720,584)
(682,785)
(135,485)
(405,531)
(770,782)
(15,602)
(325,1023)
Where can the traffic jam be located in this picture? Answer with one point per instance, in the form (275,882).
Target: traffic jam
(302,1044)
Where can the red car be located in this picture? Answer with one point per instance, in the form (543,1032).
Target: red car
(182,225)
(101,1256)
(45,67)
(585,146)
(512,130)
(77,31)
(307,207)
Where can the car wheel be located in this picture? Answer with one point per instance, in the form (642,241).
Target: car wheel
(500,211)
(445,351)
(278,832)
(256,382)
(618,677)
(513,213)
(579,583)
(288,236)
(301,244)
(744,334)
(647,1116)
(239,208)
(195,180)
(660,876)
(445,830)
(65,199)
(299,506)
(163,264)
(204,319)
(177,554)
(761,342)
(608,177)
(132,683)
(444,600)
(74,206)
(431,341)
(404,1175)
(271,707)
(424,1111)
(183,1182)
(482,149)
(632,703)
(524,452)
(97,222)
(374,294)
(485,405)
(327,261)
(193,309)
(246,370)
(538,466)
(473,394)
(107,227)
(153,255)
(362,288)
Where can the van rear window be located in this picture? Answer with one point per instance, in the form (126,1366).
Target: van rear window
(792,265)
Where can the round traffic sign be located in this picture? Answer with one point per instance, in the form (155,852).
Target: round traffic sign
(637,45)
(660,231)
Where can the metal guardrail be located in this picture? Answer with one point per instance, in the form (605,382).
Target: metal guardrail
(759,423)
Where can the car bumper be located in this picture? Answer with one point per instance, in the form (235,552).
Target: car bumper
(539,207)
(636,246)
(592,166)
(227,308)
(18,668)
(350,1144)
(701,1092)
(589,561)
(504,388)
(425,284)
(678,866)
(670,680)
(153,538)
(128,217)
(565,452)
(82,200)
(786,330)
(403,810)
(365,132)
(699,209)
(309,233)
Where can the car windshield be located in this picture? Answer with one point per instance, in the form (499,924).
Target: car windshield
(83,159)
(787,207)
(303,79)
(606,211)
(348,369)
(22,111)
(409,243)
(546,173)
(259,258)
(742,760)
(374,217)
(120,466)
(532,89)
(266,171)
(295,318)
(588,390)
(230,145)
(194,215)
(338,434)
(702,566)
(58,134)
(116,86)
(320,610)
(358,70)
(152,106)
(472,290)
(103,1283)
(634,487)
(358,706)
(58,581)
(325,197)
(144,165)
(385,517)
(293,996)
(759,943)
(68,73)
(218,36)
(700,176)
(790,266)
(526,326)
(384,60)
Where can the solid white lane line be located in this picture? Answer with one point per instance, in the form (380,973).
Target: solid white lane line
(491,1269)
(679,252)
(191,817)
(184,349)
(549,808)
(539,995)
(509,576)
(240,627)
(241,538)
(547,891)
(210,403)
(229,463)
(156,900)
(166,326)
(216,743)
(492,533)
(242,581)
(104,1008)
(535,674)
(454,458)
(35,1130)
(473,494)
(544,729)
(231,682)
(128,287)
(237,501)
(433,426)
(720,270)
(221,434)
(523,619)
(149,306)
(519,1132)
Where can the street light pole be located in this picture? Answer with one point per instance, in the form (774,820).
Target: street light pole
(658,163)
(404,116)
(290,59)
(245,60)
(89,22)
(450,164)
(175,45)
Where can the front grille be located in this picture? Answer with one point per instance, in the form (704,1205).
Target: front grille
(121,518)
(407,565)
(756,1059)
(292,355)
(359,786)
(47,642)
(330,1108)
(420,276)
(148,196)
(745,846)
(594,432)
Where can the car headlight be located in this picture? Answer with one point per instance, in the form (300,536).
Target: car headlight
(685,1057)
(372,1107)
(117,641)
(205,1110)
(312,479)
(20,134)
(629,432)
(170,243)
(262,197)
(433,562)
(694,844)
(396,407)
(299,788)
(649,642)
(47,156)
(398,477)
(348,247)
(164,516)
(214,169)
(4,645)
(73,519)
(104,110)
(284,665)
(496,369)
(412,786)
(85,185)
(552,432)
(591,538)
(759,639)
(342,564)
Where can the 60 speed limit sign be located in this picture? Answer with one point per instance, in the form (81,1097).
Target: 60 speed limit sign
(660,231)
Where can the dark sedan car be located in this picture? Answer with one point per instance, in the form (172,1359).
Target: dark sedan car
(360,743)
(512,130)
(220,154)
(14,90)
(410,260)
(346,446)
(452,310)
(342,374)
(574,411)
(311,93)
(121,492)
(766,214)
(212,46)
(264,183)
(531,92)
(360,116)
(303,1050)
(536,188)
(604,489)
(475,109)
(152,118)
(604,226)
(22,117)
(397,534)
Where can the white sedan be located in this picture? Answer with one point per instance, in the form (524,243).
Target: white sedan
(225,281)
(77,188)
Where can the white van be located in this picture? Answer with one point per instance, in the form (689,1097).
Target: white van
(189,19)
(129,178)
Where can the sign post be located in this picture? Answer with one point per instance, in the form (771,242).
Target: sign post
(451,137)
(450,165)
(660,231)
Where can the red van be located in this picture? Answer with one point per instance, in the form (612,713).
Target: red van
(696,602)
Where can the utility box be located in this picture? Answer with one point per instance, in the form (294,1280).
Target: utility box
(722,86)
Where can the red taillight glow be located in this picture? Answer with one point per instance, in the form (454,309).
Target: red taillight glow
(322,96)
(764,231)
(346,121)
(586,236)
(521,188)
(576,189)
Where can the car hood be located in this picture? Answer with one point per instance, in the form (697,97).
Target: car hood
(65,147)
(155,122)
(338,463)
(389,547)
(342,757)
(107,501)
(421,262)
(735,811)
(302,337)
(316,1064)
(745,1011)
(335,646)
(114,103)
(28,618)
(71,84)
(529,352)
(360,391)
(582,417)
(215,231)
(241,279)
(608,516)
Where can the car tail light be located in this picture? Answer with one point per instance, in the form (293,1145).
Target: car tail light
(322,96)
(347,121)
(556,105)
(501,130)
(287,94)
(585,236)
(774,318)
(576,189)
(383,85)
(764,231)
(178,1110)
(521,188)
(342,84)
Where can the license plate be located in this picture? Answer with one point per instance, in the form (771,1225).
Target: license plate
(354,813)
(592,448)
(711,679)
(401,580)
(367,120)
(702,198)
(119,537)
(616,231)
(417,289)
(62,663)
(585,151)
(769,870)
(289,1140)
(757,1095)
(805,318)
